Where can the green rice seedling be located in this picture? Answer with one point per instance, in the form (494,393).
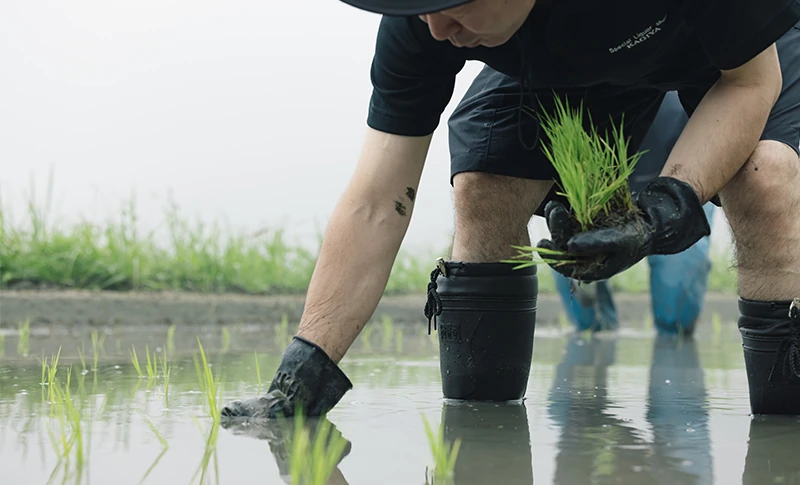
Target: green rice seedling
(398,341)
(135,361)
(23,344)
(171,339)
(2,345)
(282,332)
(258,368)
(49,372)
(387,332)
(593,170)
(199,372)
(151,363)
(226,340)
(366,333)
(74,416)
(313,460)
(97,347)
(529,256)
(444,454)
(166,370)
(212,398)
(83,361)
(152,427)
(164,446)
(211,388)
(70,438)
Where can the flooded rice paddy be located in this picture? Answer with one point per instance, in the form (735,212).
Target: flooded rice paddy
(618,408)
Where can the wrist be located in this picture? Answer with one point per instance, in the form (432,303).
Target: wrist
(675,211)
(319,340)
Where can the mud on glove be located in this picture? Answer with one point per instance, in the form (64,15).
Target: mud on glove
(670,219)
(306,378)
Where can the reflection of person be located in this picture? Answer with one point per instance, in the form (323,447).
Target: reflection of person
(678,282)
(599,446)
(737,71)
(495,443)
(677,410)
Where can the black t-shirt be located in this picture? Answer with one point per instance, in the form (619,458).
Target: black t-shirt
(574,45)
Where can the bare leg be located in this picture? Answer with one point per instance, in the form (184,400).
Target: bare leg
(762,203)
(492,214)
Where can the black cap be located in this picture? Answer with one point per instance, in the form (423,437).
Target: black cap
(405,7)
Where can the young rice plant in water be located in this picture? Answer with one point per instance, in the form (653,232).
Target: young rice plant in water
(593,171)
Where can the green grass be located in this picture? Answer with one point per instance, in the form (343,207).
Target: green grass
(116,256)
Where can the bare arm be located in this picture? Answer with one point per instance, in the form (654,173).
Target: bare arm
(726,126)
(361,241)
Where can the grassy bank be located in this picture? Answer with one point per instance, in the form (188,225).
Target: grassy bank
(35,252)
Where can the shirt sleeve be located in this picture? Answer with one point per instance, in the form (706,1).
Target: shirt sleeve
(413,77)
(734,31)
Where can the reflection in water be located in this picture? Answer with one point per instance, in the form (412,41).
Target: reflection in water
(772,451)
(625,410)
(677,409)
(495,442)
(280,434)
(598,446)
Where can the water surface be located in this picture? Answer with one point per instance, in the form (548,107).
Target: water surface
(624,408)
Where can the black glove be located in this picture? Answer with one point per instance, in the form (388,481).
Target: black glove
(306,378)
(670,220)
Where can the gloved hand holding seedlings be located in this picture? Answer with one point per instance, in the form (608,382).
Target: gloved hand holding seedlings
(608,229)
(665,218)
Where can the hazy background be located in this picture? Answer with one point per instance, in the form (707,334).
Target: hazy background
(250,112)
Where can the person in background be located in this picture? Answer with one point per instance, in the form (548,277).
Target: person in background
(678,282)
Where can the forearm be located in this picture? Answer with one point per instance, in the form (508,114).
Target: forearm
(723,132)
(358,249)
(361,241)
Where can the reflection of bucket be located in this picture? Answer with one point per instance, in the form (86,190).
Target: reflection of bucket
(486,330)
(772,451)
(495,443)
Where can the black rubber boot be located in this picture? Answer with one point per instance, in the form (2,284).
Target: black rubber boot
(771,342)
(486,319)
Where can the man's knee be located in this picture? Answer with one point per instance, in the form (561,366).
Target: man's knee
(484,198)
(492,214)
(769,169)
(761,202)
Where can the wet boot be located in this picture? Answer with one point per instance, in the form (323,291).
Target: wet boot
(771,342)
(486,315)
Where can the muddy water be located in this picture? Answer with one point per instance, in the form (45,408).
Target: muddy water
(623,408)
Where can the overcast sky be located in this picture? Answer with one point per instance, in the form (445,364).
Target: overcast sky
(229,106)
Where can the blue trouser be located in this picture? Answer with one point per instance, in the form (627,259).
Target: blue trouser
(678,285)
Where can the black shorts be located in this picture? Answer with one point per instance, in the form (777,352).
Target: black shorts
(486,131)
